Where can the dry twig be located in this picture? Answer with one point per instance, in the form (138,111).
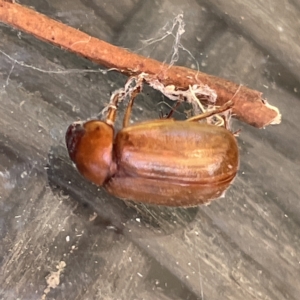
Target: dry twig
(248,104)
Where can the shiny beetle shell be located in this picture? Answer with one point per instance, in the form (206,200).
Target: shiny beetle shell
(163,162)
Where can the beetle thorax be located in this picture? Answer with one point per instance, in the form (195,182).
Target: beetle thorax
(93,142)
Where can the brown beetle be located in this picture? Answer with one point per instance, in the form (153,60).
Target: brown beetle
(163,162)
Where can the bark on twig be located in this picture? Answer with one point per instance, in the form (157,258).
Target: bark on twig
(248,104)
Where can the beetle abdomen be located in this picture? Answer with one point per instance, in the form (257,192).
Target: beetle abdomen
(164,192)
(173,162)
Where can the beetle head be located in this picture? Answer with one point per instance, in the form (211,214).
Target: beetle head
(90,147)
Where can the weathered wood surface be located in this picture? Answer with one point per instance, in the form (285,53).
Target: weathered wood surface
(245,246)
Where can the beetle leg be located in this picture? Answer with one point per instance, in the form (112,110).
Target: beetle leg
(207,114)
(129,106)
(112,111)
(169,115)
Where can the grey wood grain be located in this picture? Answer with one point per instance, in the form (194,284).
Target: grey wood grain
(272,25)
